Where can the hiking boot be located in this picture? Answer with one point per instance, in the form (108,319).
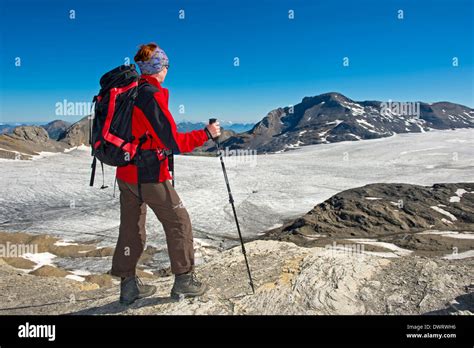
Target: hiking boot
(132,288)
(187,285)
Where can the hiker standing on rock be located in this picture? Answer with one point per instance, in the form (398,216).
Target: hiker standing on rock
(152,117)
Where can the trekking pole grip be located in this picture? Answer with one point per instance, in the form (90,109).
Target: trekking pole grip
(211,121)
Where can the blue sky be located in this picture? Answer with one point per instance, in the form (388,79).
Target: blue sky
(281,60)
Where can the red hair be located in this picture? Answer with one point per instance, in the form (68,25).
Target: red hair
(145,52)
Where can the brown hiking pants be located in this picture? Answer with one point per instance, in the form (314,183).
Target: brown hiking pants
(170,211)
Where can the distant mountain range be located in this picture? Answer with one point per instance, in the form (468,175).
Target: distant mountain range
(22,141)
(54,128)
(332,117)
(57,127)
(185,126)
(8,127)
(326,118)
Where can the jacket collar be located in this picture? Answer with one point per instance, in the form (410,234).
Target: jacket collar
(150,79)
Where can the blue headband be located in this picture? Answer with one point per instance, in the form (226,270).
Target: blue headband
(155,64)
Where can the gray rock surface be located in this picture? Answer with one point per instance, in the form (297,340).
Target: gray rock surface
(56,128)
(394,213)
(77,134)
(289,280)
(27,141)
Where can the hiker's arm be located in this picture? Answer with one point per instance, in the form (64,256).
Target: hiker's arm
(167,131)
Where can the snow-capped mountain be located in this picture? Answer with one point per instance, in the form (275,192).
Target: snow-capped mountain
(332,117)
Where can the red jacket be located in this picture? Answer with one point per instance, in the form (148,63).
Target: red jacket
(151,114)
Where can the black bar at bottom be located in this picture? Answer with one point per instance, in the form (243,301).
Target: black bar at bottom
(287,330)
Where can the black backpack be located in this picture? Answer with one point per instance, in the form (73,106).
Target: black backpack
(110,126)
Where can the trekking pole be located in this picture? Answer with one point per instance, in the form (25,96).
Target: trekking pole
(231,201)
(171,166)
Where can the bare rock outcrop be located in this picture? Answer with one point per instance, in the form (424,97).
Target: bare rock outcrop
(410,216)
(77,134)
(27,141)
(289,280)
